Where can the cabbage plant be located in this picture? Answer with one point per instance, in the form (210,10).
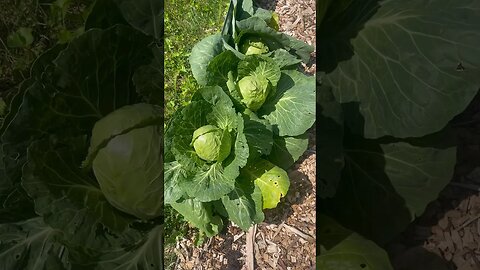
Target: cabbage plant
(81,171)
(247,31)
(226,153)
(195,177)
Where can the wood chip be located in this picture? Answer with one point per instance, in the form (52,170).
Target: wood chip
(238,236)
(457,240)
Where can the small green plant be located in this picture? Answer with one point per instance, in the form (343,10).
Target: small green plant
(22,38)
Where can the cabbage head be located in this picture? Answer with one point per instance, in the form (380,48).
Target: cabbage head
(252,46)
(254,90)
(212,143)
(126,149)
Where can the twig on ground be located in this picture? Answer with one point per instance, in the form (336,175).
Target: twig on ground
(467,186)
(300,233)
(466,223)
(238,236)
(250,260)
(278,230)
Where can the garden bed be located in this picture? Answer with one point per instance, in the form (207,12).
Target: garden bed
(286,239)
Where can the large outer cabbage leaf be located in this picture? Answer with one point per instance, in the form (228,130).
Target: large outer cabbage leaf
(219,67)
(202,53)
(32,244)
(85,82)
(144,15)
(272,180)
(329,141)
(287,150)
(411,65)
(146,252)
(388,183)
(148,79)
(175,174)
(200,215)
(284,59)
(259,135)
(244,205)
(344,249)
(51,173)
(291,111)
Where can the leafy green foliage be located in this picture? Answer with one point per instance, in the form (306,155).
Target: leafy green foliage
(92,92)
(22,38)
(393,75)
(245,96)
(393,63)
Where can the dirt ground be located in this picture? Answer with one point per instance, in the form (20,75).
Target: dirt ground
(286,239)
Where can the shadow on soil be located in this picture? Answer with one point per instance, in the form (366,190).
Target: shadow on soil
(266,4)
(406,250)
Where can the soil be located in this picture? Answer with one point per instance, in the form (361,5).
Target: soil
(286,239)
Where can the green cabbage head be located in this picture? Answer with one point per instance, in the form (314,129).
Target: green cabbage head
(254,90)
(212,143)
(253,46)
(127,149)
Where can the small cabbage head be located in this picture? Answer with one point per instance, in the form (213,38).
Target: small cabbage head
(128,164)
(212,143)
(253,46)
(254,91)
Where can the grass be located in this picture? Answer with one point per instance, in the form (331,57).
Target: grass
(45,22)
(186,23)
